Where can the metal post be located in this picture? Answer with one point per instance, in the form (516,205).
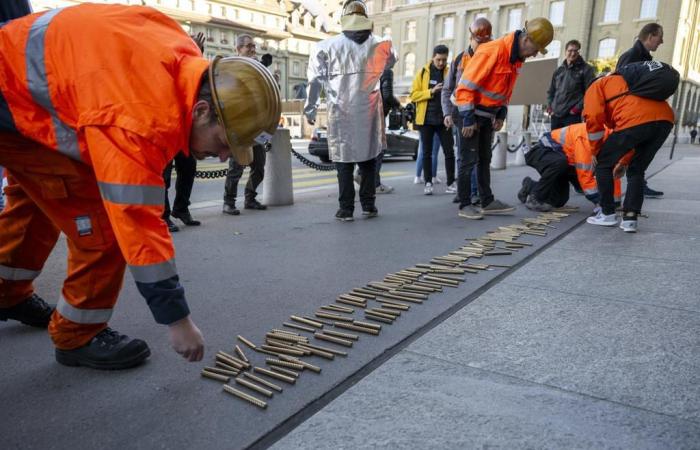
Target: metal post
(277,184)
(498,159)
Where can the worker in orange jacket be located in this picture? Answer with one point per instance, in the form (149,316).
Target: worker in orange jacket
(482,96)
(636,122)
(95,100)
(562,157)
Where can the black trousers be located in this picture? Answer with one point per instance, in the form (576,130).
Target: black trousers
(235,172)
(475,152)
(346,188)
(645,139)
(561,122)
(186,166)
(555,172)
(427,133)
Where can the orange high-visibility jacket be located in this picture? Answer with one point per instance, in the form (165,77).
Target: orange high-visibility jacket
(621,113)
(112,86)
(489,78)
(574,141)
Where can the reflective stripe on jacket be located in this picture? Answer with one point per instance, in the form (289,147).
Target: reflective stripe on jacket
(621,113)
(111,86)
(420,91)
(489,78)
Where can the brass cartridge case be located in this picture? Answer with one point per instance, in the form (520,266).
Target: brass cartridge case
(426,284)
(440,262)
(350,302)
(283,344)
(501,266)
(368,325)
(390,312)
(266,383)
(370,316)
(444,282)
(357,292)
(278,376)
(498,253)
(417,270)
(223,365)
(234,359)
(225,359)
(408,294)
(298,327)
(322,321)
(286,337)
(312,323)
(268,352)
(282,350)
(336,308)
(353,327)
(320,353)
(306,365)
(377,285)
(285,364)
(291,333)
(220,371)
(350,336)
(246,342)
(401,298)
(328,350)
(241,354)
(449,277)
(414,287)
(335,340)
(254,387)
(394,306)
(215,376)
(375,313)
(352,298)
(284,371)
(242,395)
(333,317)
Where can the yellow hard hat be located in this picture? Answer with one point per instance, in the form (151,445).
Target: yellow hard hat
(541,32)
(247,102)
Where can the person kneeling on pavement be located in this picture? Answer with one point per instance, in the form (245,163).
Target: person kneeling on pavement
(561,157)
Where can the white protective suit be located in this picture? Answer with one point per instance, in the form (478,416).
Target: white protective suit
(349,74)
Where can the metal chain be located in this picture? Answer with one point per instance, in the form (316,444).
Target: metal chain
(211,174)
(323,167)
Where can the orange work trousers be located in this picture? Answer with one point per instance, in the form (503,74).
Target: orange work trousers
(49,193)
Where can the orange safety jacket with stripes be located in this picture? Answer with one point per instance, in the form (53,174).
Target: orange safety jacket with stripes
(111,86)
(623,112)
(573,140)
(487,81)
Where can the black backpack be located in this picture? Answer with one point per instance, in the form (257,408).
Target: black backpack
(649,79)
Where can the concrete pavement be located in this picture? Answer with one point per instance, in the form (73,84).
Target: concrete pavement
(246,275)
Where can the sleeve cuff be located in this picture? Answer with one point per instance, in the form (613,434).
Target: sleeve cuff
(166,298)
(468,118)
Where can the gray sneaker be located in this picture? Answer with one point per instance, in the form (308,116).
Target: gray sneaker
(497,207)
(471,212)
(535,205)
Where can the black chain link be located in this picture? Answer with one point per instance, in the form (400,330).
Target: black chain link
(323,167)
(211,174)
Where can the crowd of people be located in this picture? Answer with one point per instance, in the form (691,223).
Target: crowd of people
(97,168)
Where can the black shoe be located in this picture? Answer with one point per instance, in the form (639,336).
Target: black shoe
(525,189)
(254,204)
(186,218)
(231,209)
(650,193)
(476,200)
(108,350)
(344,215)
(171,226)
(34,312)
(370,212)
(455,199)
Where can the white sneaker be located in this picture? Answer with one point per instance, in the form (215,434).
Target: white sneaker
(384,189)
(451,189)
(437,180)
(428,189)
(418,180)
(628,226)
(606,220)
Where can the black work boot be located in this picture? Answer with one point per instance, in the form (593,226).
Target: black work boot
(34,312)
(108,350)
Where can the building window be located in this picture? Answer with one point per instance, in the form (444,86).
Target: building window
(554,49)
(612,11)
(296,68)
(409,65)
(515,19)
(648,9)
(386,31)
(448,27)
(556,13)
(223,11)
(410,31)
(209,35)
(606,48)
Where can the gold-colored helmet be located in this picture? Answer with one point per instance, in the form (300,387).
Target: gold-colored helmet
(355,7)
(541,32)
(247,102)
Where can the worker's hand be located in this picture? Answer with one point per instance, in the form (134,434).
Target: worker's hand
(468,132)
(549,110)
(199,40)
(619,171)
(449,122)
(186,339)
(497,124)
(436,88)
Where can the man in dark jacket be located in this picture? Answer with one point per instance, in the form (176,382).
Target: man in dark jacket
(569,84)
(650,37)
(386,87)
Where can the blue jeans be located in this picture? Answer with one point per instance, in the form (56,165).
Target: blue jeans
(419,159)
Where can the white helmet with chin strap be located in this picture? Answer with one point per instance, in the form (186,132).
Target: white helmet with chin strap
(354,16)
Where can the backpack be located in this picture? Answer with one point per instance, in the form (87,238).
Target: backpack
(649,79)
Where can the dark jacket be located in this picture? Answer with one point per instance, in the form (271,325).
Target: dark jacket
(14,9)
(386,87)
(637,53)
(568,86)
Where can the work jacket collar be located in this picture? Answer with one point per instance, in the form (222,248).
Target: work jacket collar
(646,55)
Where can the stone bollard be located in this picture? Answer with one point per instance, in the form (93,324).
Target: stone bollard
(520,153)
(277,184)
(498,158)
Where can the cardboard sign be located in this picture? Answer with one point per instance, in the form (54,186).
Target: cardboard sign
(533,82)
